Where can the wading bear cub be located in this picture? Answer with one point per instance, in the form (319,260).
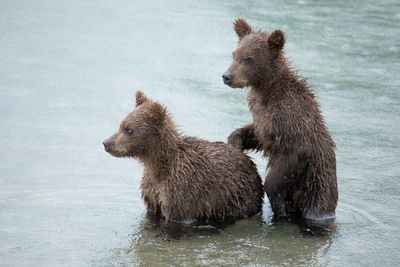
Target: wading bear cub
(287,126)
(186,179)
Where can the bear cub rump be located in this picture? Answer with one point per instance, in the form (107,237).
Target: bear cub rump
(186,179)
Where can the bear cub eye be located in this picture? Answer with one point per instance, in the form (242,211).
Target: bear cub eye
(248,60)
(128,131)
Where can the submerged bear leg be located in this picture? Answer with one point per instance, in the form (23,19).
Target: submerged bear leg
(276,195)
(281,184)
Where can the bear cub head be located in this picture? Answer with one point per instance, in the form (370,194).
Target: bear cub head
(258,55)
(139,132)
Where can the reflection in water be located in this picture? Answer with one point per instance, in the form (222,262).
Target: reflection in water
(318,227)
(249,241)
(311,227)
(171,231)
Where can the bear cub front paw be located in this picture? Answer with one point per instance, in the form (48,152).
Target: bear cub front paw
(235,139)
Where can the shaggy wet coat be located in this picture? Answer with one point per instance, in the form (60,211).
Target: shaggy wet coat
(287,126)
(186,179)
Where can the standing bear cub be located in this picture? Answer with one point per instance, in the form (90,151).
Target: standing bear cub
(186,179)
(287,126)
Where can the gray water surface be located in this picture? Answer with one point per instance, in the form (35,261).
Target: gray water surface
(68,75)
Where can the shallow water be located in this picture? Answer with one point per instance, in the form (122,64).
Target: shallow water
(69,71)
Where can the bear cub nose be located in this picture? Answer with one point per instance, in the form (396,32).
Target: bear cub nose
(106,144)
(227,78)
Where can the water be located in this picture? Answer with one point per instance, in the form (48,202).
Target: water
(69,71)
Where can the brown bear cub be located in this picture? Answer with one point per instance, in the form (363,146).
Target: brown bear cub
(186,179)
(287,126)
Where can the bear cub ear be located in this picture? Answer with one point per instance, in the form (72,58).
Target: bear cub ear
(242,28)
(140,98)
(157,113)
(276,40)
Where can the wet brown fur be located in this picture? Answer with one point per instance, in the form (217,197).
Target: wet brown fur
(288,127)
(186,179)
